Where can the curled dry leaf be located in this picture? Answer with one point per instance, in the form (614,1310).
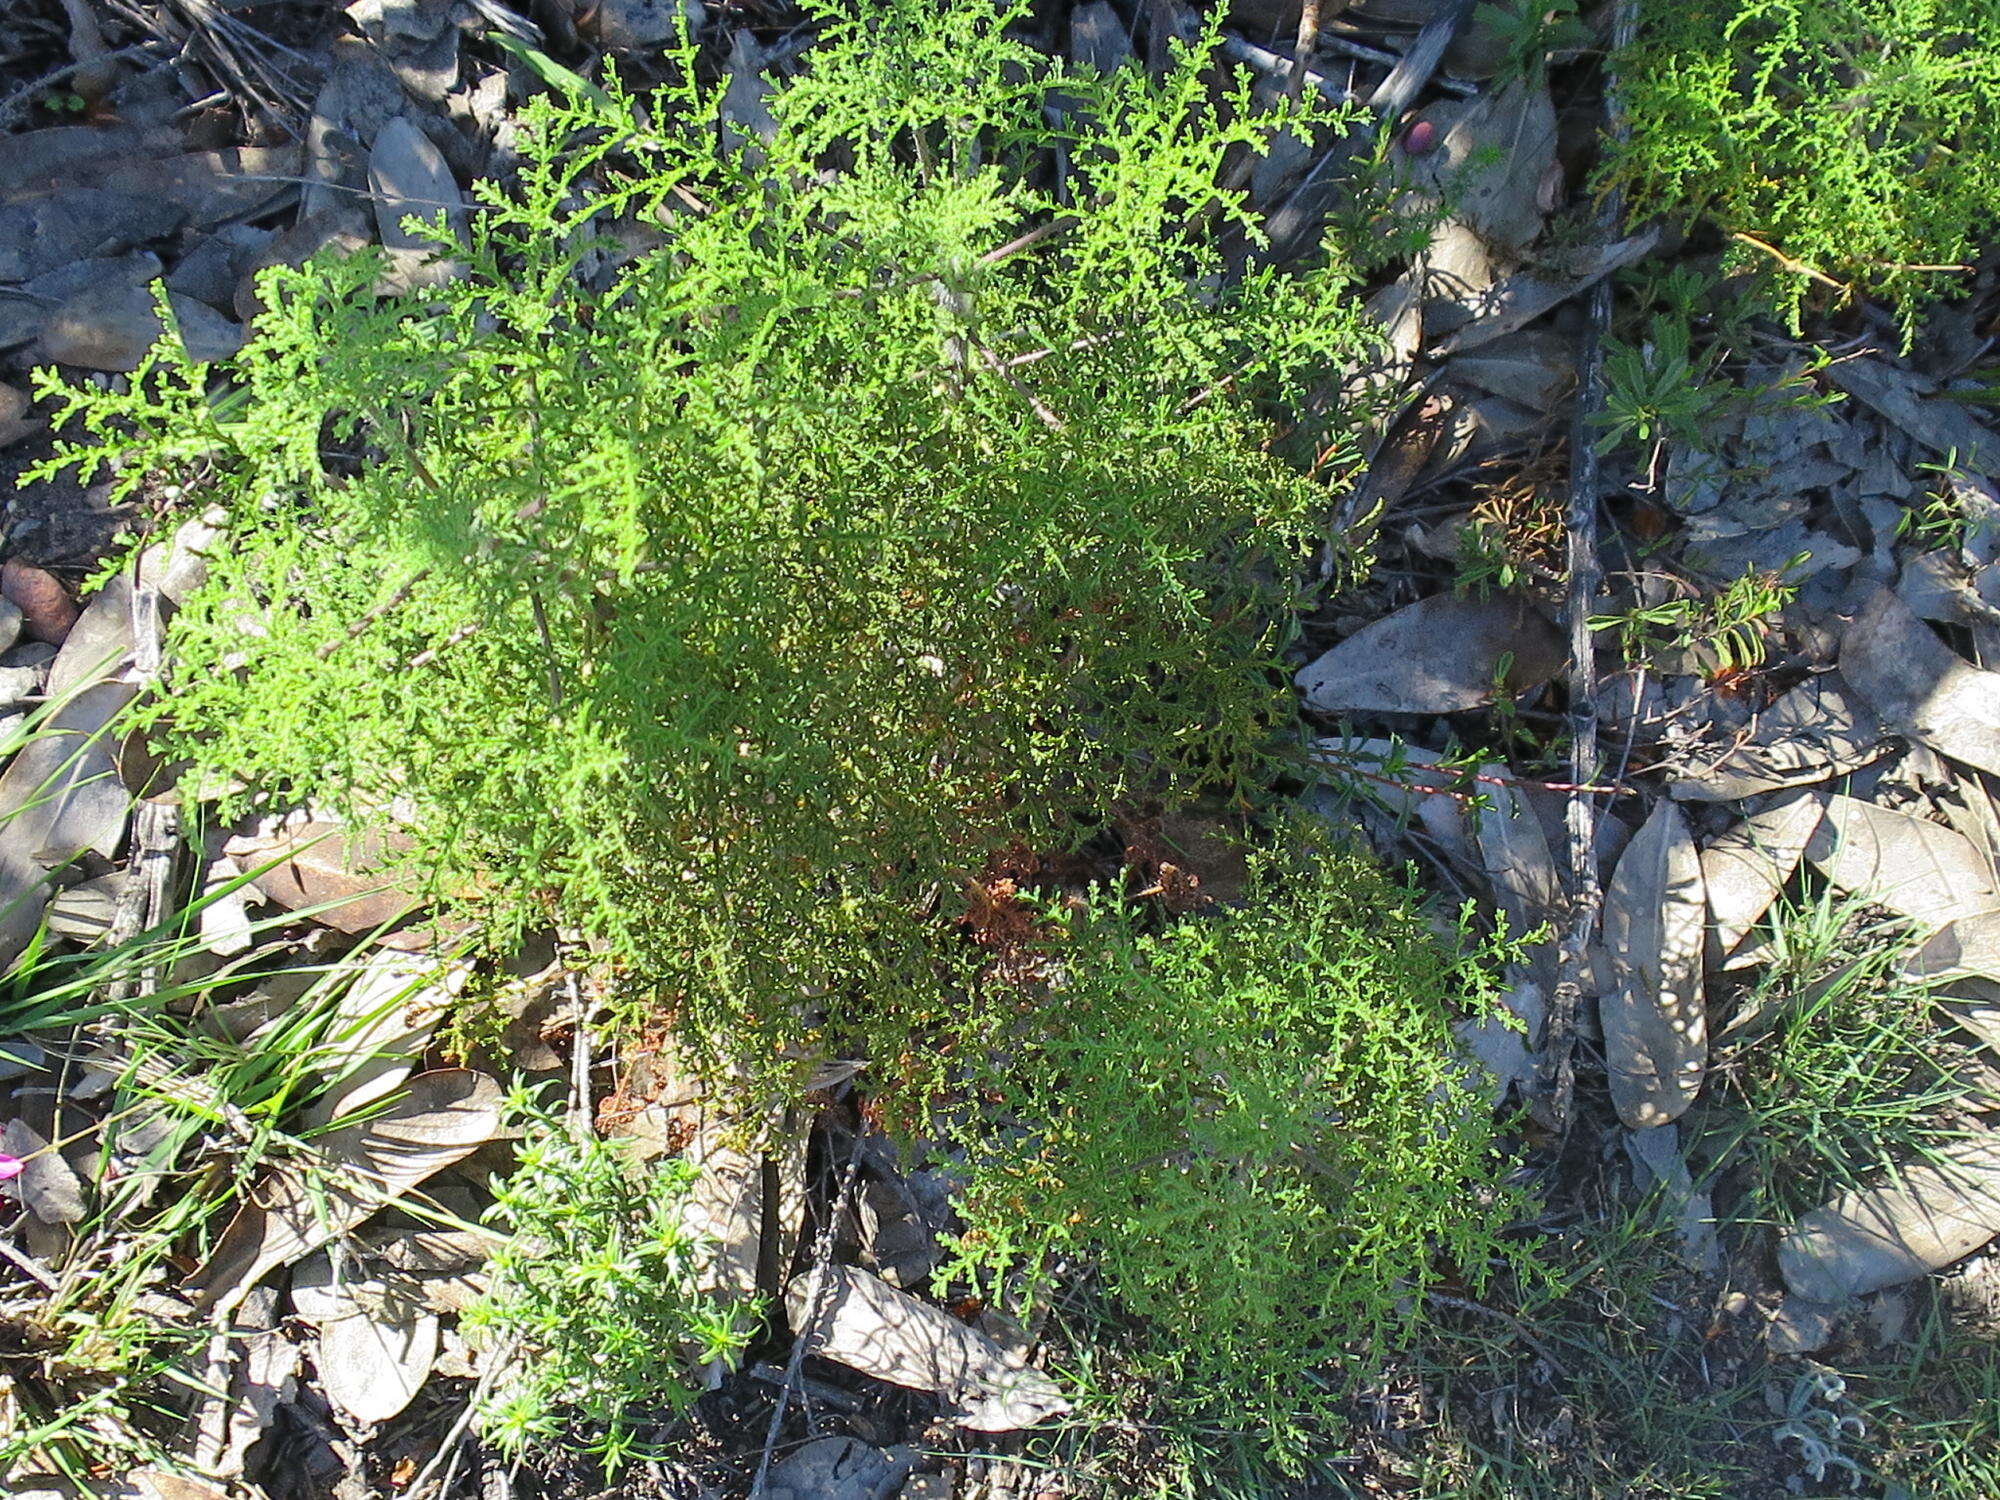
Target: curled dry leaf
(867,1325)
(1526,885)
(1655,1027)
(381,1026)
(443,1117)
(1438,656)
(337,875)
(1918,685)
(1743,871)
(1918,869)
(1925,1218)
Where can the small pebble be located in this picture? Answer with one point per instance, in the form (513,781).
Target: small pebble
(47,611)
(1419,138)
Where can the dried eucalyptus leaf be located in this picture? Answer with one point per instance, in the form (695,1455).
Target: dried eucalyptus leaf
(729,1212)
(376,1346)
(1919,686)
(1440,655)
(1810,734)
(1918,869)
(62,795)
(1744,870)
(48,1185)
(867,1325)
(1526,884)
(381,1026)
(1926,1217)
(443,1117)
(1655,1026)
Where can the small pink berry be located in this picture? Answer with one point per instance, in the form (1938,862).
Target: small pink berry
(10,1166)
(1420,137)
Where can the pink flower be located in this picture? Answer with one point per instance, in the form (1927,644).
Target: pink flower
(10,1166)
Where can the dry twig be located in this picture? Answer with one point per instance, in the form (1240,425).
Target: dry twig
(1555,1080)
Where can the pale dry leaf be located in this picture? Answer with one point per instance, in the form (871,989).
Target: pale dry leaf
(336,875)
(1927,1216)
(1919,686)
(1655,1026)
(1491,160)
(1656,1152)
(61,795)
(409,180)
(1941,424)
(380,1027)
(1744,869)
(1440,655)
(1527,887)
(1916,868)
(442,1117)
(1968,946)
(376,1346)
(47,1184)
(727,1211)
(1809,735)
(867,1325)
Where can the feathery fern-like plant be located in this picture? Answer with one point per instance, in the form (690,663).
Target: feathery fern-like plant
(890,498)
(1840,143)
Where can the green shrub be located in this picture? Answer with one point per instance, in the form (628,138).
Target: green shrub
(839,540)
(1253,1127)
(592,1313)
(1856,141)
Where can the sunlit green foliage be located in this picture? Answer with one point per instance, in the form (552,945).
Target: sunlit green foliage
(592,1312)
(729,603)
(1851,141)
(1254,1127)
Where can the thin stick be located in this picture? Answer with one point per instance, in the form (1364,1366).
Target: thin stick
(28,1267)
(1302,54)
(803,1337)
(999,367)
(1796,267)
(448,1447)
(1555,1073)
(1027,241)
(1264,60)
(360,626)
